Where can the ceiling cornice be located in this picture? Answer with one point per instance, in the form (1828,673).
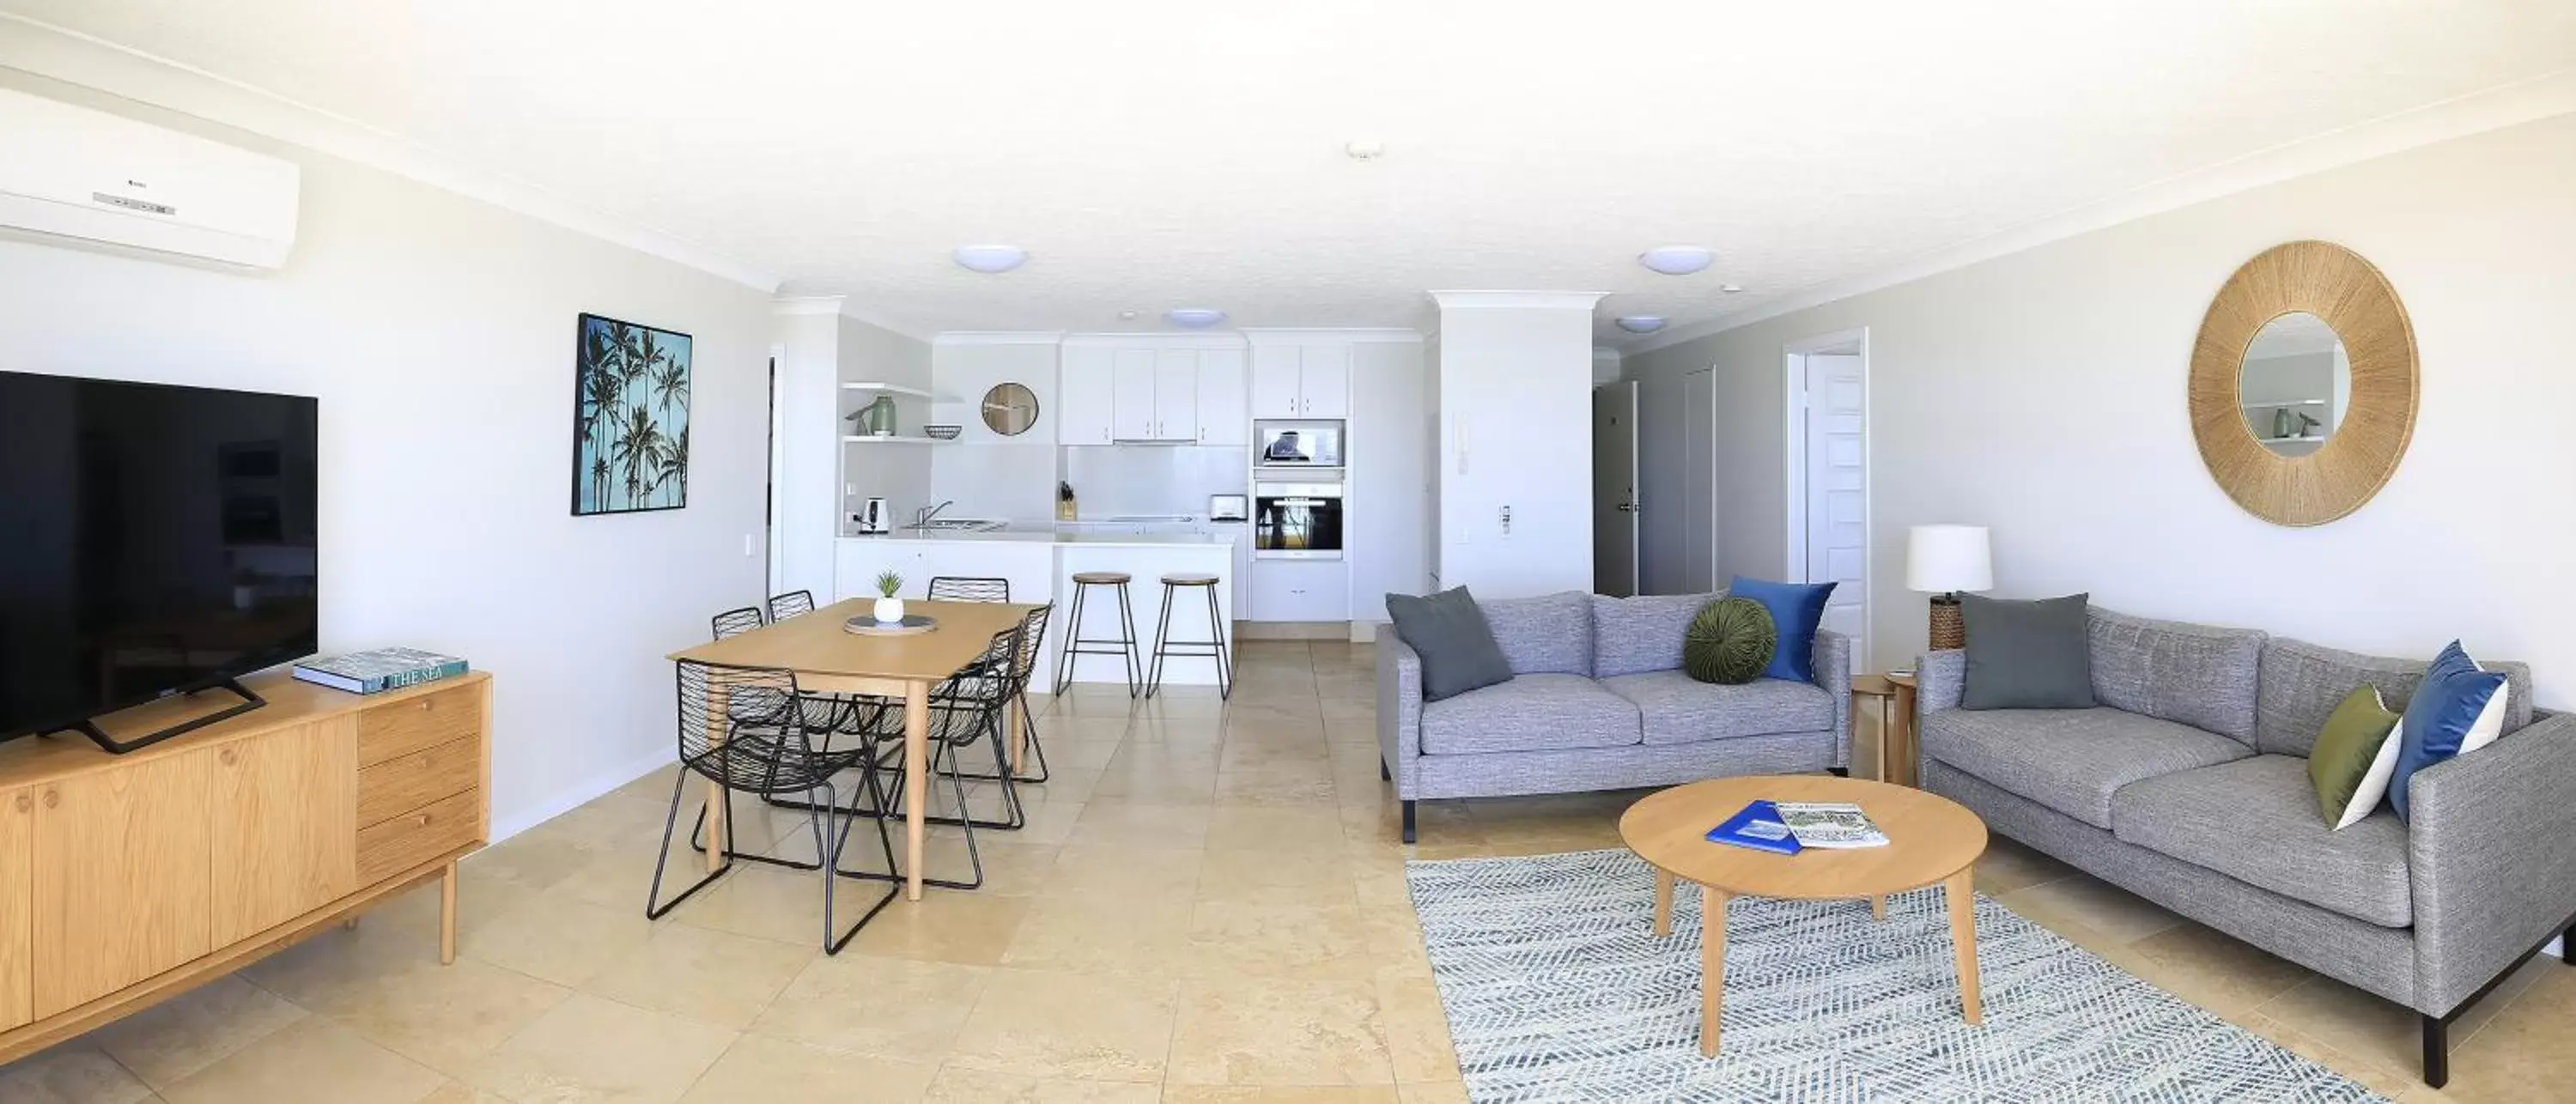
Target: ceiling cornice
(74,58)
(2476,113)
(1517,300)
(997,337)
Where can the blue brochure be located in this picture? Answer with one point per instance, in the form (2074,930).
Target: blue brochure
(1758,827)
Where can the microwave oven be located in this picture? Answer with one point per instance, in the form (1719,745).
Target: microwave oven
(1300,444)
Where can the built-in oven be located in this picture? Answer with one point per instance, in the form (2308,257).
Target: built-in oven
(1297,521)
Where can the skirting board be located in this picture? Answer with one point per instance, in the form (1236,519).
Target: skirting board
(1292,630)
(579,794)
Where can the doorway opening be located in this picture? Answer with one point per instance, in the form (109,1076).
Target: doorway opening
(1614,489)
(1828,476)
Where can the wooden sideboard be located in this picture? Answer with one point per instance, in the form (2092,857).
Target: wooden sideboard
(129,879)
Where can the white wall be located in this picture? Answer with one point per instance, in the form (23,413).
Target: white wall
(1515,378)
(438,334)
(989,475)
(1390,491)
(1975,372)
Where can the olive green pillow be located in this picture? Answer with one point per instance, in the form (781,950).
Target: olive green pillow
(2355,754)
(1729,642)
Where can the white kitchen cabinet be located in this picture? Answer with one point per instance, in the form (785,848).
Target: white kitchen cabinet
(1223,416)
(1176,395)
(1301,381)
(1301,590)
(1085,396)
(1132,396)
(1324,381)
(1241,534)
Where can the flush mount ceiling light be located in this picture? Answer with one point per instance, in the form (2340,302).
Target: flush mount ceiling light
(991,258)
(1730,289)
(1128,315)
(1676,260)
(1641,323)
(1196,318)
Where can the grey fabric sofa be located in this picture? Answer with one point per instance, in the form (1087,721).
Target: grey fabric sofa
(1598,701)
(2188,786)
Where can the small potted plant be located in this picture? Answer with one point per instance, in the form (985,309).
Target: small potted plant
(889,608)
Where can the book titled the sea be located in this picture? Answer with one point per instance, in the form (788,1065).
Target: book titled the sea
(1759,827)
(380,670)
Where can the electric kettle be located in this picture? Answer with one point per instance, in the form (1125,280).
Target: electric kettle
(873,518)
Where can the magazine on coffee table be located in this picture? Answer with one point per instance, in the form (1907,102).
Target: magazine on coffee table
(1830,824)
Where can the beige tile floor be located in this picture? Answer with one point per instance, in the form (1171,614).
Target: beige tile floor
(1208,905)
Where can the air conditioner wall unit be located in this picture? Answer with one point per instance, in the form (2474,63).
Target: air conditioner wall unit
(77,173)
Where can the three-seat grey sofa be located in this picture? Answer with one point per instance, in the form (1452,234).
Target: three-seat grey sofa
(2188,786)
(1598,701)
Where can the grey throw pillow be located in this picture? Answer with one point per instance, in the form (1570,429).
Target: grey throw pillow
(1457,646)
(2027,655)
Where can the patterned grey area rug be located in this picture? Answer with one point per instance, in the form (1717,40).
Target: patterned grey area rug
(1557,989)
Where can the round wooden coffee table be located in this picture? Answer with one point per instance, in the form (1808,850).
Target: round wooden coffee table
(1930,839)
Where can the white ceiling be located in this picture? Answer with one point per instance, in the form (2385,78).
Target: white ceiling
(1160,154)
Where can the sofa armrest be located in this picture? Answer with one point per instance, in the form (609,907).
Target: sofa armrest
(1833,662)
(2489,859)
(1938,679)
(1399,708)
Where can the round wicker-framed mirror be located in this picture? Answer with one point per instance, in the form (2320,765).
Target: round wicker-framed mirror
(2321,300)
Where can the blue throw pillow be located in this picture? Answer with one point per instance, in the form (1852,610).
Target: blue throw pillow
(2440,716)
(1796,608)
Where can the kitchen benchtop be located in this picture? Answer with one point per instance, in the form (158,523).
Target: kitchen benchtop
(1062,537)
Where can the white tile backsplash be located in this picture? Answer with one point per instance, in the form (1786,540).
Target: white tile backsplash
(1154,479)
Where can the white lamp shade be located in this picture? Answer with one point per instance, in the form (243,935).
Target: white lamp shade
(1940,559)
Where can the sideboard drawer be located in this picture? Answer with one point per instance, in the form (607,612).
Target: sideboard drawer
(413,724)
(400,785)
(416,837)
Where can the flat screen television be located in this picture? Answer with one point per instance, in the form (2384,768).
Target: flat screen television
(154,540)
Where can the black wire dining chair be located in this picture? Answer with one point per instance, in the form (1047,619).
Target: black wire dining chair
(767,753)
(794,603)
(965,710)
(735,622)
(958,588)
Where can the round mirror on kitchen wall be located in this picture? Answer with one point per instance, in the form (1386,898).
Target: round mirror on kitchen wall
(1010,409)
(2303,384)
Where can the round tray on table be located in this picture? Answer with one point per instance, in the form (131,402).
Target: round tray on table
(913,624)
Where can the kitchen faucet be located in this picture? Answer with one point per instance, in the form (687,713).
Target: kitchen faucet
(922,517)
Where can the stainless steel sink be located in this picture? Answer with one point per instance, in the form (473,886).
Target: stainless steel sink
(956,525)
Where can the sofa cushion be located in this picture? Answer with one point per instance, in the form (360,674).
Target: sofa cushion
(1547,635)
(1677,709)
(1542,712)
(2071,760)
(1797,609)
(1644,633)
(2026,654)
(2302,683)
(2255,820)
(2198,675)
(1449,633)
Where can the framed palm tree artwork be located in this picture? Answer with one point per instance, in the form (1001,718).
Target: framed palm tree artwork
(630,434)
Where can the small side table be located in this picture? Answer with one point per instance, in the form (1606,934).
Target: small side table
(1895,699)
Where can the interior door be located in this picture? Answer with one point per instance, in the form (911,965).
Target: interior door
(285,827)
(1614,489)
(1131,399)
(1176,395)
(1838,491)
(122,874)
(1699,483)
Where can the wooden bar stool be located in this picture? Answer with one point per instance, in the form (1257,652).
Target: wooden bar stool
(1076,644)
(1164,645)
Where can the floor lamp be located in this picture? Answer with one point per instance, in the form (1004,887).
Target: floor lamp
(1944,561)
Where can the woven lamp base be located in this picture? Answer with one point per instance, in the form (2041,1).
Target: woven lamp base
(1949,627)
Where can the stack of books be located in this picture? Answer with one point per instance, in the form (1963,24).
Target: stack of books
(1788,827)
(380,670)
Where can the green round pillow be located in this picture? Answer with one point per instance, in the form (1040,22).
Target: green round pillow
(1730,642)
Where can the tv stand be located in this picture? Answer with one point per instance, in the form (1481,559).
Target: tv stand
(114,746)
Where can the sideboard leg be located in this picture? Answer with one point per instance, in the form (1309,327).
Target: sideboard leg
(446,915)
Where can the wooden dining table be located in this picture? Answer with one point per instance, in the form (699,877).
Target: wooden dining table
(829,659)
